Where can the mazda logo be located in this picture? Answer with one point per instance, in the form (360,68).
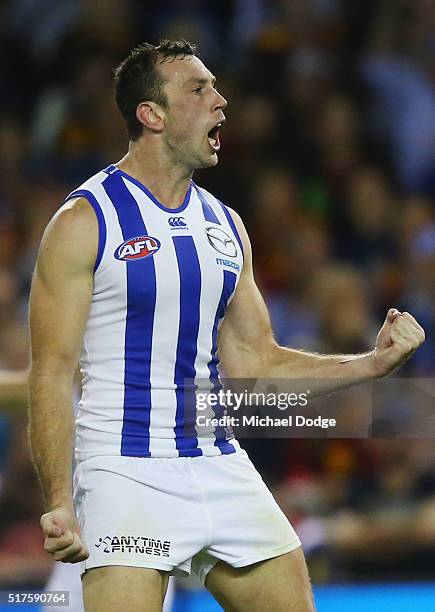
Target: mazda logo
(221,241)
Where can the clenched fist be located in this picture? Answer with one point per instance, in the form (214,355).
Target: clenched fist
(398,339)
(62,536)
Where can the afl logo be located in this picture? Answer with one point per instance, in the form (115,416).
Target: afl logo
(137,248)
(221,241)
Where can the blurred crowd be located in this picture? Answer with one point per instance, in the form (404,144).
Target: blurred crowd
(328,155)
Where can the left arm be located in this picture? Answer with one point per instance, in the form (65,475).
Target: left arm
(248,349)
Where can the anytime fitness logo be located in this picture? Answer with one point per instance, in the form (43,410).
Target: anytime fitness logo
(134,544)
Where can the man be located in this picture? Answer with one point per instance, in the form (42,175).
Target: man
(138,270)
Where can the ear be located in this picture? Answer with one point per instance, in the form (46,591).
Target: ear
(151,115)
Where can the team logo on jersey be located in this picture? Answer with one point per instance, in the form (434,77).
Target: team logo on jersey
(137,248)
(177,222)
(221,241)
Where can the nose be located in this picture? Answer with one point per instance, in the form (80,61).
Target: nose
(220,103)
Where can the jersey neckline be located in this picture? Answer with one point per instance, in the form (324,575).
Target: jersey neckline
(113,168)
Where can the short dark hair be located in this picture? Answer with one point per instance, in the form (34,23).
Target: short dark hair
(137,80)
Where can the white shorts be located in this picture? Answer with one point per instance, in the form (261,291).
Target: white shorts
(178,515)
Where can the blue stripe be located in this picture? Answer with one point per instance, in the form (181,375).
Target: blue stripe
(232,225)
(227,290)
(102,231)
(208,212)
(141,302)
(111,169)
(184,377)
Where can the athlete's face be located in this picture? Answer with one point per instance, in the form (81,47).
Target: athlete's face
(194,113)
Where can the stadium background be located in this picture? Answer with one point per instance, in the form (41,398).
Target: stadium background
(329,156)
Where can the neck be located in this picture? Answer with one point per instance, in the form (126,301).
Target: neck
(152,166)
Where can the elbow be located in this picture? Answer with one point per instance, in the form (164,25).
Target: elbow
(272,357)
(254,361)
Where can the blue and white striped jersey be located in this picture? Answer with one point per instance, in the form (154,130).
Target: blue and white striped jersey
(162,282)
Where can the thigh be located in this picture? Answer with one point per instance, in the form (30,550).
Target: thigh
(130,589)
(280,584)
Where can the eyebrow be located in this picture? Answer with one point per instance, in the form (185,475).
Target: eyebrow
(202,81)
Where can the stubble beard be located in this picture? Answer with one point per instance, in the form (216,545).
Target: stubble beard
(185,153)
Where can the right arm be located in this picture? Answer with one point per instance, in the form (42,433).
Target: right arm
(248,349)
(59,306)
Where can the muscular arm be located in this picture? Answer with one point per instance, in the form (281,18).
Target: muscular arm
(248,350)
(59,305)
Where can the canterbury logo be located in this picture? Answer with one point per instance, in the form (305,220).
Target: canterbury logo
(177,222)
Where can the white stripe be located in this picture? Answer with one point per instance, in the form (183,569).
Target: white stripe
(211,289)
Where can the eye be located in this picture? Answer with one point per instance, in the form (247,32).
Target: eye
(197,90)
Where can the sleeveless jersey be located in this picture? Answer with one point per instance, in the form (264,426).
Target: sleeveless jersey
(163,279)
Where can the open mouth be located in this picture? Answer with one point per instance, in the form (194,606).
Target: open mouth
(213,137)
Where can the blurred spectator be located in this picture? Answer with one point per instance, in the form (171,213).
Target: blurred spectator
(23,560)
(372,218)
(399,67)
(420,294)
(340,295)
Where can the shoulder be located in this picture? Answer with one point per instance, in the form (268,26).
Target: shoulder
(235,216)
(71,237)
(240,226)
(75,221)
